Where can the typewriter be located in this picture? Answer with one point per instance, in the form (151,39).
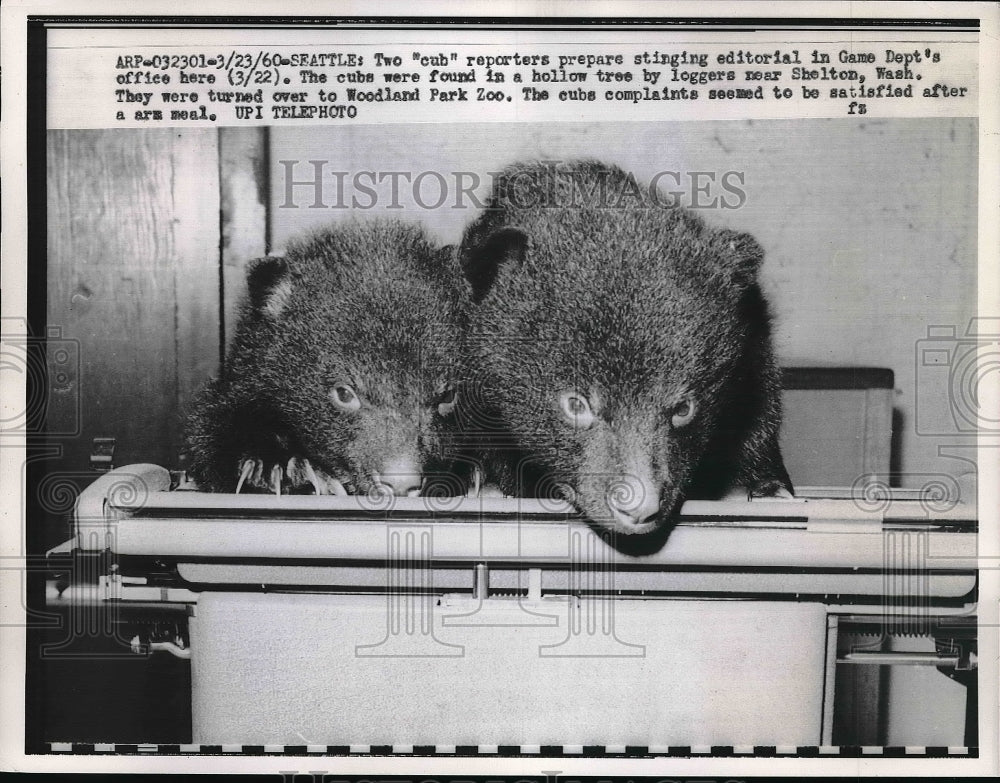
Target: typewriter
(844,616)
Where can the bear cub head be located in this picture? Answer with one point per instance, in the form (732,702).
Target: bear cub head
(619,347)
(344,360)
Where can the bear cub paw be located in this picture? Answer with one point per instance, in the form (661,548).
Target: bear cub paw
(295,477)
(770,488)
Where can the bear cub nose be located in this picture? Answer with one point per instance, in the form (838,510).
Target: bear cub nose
(633,501)
(402,478)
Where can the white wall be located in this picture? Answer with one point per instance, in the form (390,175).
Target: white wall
(869,226)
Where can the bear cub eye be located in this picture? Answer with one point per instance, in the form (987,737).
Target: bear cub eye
(682,413)
(345,398)
(447,399)
(576,409)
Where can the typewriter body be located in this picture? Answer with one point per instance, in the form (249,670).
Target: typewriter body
(448,622)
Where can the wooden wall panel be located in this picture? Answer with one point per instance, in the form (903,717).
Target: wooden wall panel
(133,275)
(196,243)
(243,181)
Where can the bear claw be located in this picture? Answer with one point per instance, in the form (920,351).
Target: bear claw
(250,466)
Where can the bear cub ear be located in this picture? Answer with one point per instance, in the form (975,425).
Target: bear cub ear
(269,285)
(742,256)
(482,263)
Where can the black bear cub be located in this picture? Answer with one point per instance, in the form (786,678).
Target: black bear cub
(620,352)
(341,374)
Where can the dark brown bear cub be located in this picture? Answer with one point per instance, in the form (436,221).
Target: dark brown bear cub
(620,350)
(340,377)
